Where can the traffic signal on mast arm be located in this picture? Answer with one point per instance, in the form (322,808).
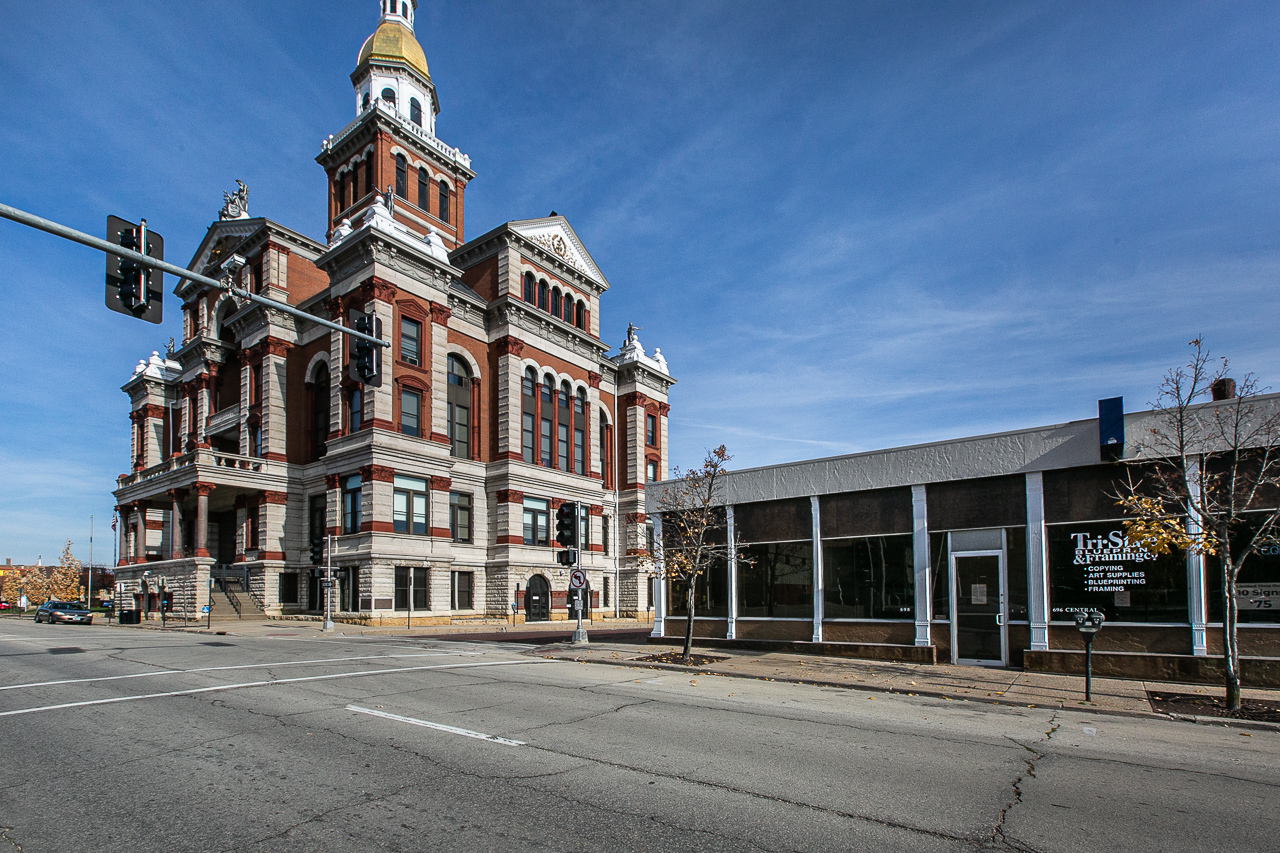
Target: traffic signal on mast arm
(567,525)
(132,288)
(366,358)
(317,551)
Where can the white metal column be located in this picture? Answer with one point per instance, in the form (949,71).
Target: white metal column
(660,584)
(920,562)
(1037,564)
(731,630)
(1195,570)
(816,533)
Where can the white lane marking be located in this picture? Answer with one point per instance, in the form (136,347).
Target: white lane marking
(330,677)
(236,666)
(453,730)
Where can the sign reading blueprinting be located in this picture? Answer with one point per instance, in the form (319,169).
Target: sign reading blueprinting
(1094,566)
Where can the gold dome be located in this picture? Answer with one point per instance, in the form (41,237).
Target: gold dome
(394,43)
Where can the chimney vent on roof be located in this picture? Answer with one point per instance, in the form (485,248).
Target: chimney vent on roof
(1223,389)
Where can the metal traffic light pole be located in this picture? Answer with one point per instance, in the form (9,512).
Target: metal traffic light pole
(328,593)
(40,224)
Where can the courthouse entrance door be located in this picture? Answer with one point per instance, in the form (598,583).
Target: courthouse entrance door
(537,600)
(978,631)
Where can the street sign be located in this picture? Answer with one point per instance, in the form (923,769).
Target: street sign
(204,609)
(577,579)
(325,583)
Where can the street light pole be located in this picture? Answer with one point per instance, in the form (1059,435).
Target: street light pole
(89,594)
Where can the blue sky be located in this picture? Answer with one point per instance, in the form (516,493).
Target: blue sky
(848,225)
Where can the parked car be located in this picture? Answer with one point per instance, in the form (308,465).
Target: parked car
(63,611)
(4,605)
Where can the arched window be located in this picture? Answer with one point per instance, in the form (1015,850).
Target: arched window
(444,201)
(555,302)
(364,105)
(459,408)
(389,97)
(402,177)
(424,189)
(415,111)
(563,425)
(568,307)
(319,391)
(606,449)
(581,319)
(528,411)
(546,436)
(529,288)
(580,432)
(542,295)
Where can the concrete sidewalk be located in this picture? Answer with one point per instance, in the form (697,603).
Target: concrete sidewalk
(946,681)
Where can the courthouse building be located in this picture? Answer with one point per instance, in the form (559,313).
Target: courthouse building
(498,400)
(976,550)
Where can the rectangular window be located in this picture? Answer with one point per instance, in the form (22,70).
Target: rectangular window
(1093,566)
(409,505)
(255,440)
(421,589)
(604,533)
(288,588)
(546,442)
(459,430)
(526,436)
(579,452)
(403,578)
(444,202)
(351,492)
(460,517)
(869,578)
(253,536)
(410,412)
(651,471)
(536,516)
(255,387)
(710,593)
(410,341)
(651,430)
(1257,587)
(776,580)
(584,525)
(462,584)
(563,455)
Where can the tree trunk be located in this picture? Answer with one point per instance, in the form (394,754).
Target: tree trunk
(1230,639)
(689,596)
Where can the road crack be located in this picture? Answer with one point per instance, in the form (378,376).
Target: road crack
(997,836)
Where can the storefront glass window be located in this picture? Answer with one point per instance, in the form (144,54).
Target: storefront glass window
(1015,544)
(711,593)
(940,574)
(1257,587)
(1092,566)
(776,580)
(868,578)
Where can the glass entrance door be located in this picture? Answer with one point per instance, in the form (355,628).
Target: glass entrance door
(979,632)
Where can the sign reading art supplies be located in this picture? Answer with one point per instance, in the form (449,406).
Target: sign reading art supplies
(1095,566)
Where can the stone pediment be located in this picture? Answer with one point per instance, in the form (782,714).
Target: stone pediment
(555,236)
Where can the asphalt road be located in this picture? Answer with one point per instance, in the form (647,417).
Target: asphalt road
(124,739)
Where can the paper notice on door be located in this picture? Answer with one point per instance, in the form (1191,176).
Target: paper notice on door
(1122,598)
(978,593)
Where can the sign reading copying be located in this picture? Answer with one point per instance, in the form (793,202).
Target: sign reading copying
(577,579)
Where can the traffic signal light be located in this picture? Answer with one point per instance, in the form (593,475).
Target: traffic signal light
(317,551)
(567,525)
(366,358)
(132,288)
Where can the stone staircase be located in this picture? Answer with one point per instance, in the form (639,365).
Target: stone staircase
(241,606)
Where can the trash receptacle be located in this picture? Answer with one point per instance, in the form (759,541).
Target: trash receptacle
(128,617)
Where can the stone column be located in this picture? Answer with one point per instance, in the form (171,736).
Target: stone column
(475,419)
(122,532)
(1037,576)
(508,404)
(1196,603)
(595,455)
(440,373)
(920,564)
(731,631)
(273,399)
(509,517)
(659,606)
(438,507)
(818,599)
(140,533)
(175,522)
(202,490)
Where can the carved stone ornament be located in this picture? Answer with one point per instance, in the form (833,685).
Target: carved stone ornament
(235,205)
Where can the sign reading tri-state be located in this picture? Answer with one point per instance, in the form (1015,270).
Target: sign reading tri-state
(1095,566)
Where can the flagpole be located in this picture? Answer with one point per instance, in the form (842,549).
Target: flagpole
(89,595)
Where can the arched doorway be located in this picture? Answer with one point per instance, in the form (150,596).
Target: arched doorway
(537,600)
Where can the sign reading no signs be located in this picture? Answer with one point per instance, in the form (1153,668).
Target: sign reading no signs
(577,579)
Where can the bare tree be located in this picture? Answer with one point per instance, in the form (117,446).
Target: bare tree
(1210,482)
(694,531)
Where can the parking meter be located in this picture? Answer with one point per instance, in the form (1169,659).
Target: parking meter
(1088,624)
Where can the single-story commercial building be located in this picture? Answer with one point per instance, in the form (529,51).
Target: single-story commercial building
(976,550)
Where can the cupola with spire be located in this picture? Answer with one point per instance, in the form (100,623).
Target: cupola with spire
(392,69)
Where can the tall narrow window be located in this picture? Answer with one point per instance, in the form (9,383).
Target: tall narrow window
(580,319)
(389,97)
(555,302)
(410,412)
(580,432)
(564,425)
(351,494)
(421,589)
(547,443)
(463,583)
(368,175)
(528,414)
(604,533)
(444,201)
(424,189)
(355,409)
(542,295)
(651,471)
(364,105)
(651,430)
(415,111)
(409,505)
(410,341)
(319,391)
(459,408)
(529,287)
(255,440)
(459,517)
(568,308)
(402,177)
(404,578)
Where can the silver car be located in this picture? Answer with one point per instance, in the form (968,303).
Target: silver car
(63,611)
